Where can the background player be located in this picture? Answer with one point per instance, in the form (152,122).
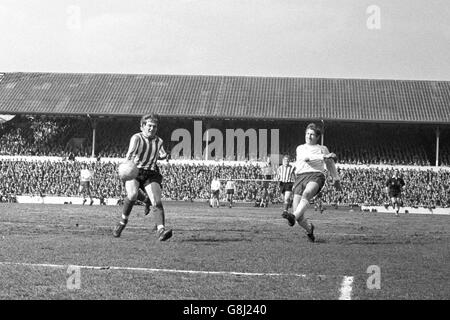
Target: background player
(229,187)
(285,175)
(86,176)
(310,177)
(215,192)
(394,187)
(145,149)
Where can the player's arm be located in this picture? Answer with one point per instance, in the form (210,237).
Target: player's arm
(303,156)
(293,172)
(329,159)
(388,182)
(278,175)
(402,185)
(132,148)
(163,155)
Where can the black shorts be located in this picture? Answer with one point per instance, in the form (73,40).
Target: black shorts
(394,194)
(146,177)
(215,193)
(286,186)
(230,191)
(302,180)
(85,184)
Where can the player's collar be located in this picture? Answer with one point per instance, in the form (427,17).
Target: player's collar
(148,137)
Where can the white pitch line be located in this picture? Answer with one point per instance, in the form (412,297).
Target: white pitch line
(60,266)
(346,288)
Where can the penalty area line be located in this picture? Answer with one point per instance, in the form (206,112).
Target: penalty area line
(154,270)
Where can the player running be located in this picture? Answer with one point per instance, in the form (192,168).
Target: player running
(145,149)
(310,177)
(229,187)
(285,176)
(394,187)
(86,176)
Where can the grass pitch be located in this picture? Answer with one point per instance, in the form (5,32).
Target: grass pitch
(239,253)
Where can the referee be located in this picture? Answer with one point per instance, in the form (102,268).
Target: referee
(285,175)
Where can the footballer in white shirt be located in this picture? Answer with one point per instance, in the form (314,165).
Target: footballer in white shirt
(310,173)
(86,176)
(215,192)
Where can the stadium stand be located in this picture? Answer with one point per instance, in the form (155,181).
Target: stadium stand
(354,143)
(367,122)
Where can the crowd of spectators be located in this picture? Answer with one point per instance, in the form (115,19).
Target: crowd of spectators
(192,182)
(69,138)
(362,186)
(56,178)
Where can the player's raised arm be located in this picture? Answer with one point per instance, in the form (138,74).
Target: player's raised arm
(329,159)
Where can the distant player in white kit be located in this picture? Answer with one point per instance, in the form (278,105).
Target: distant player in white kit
(310,177)
(215,192)
(86,176)
(229,187)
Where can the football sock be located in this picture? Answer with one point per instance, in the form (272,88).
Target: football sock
(305,224)
(127,207)
(286,206)
(158,213)
(124,220)
(301,208)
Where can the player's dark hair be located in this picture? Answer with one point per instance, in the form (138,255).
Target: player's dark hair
(315,128)
(151,116)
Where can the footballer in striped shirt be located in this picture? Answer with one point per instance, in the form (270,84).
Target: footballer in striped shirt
(285,175)
(145,149)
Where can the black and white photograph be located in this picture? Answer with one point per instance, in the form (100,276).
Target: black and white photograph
(227,158)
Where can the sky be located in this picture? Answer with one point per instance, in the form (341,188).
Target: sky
(376,39)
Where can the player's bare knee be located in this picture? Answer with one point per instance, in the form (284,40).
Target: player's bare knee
(132,196)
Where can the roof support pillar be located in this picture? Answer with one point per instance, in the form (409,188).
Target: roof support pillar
(93,123)
(323,132)
(437,146)
(207,137)
(198,139)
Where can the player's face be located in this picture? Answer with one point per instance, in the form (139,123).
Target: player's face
(285,161)
(311,137)
(149,128)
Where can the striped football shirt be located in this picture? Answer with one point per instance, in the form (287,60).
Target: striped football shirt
(145,152)
(285,173)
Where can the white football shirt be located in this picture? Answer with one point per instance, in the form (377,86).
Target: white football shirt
(315,155)
(85,175)
(215,185)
